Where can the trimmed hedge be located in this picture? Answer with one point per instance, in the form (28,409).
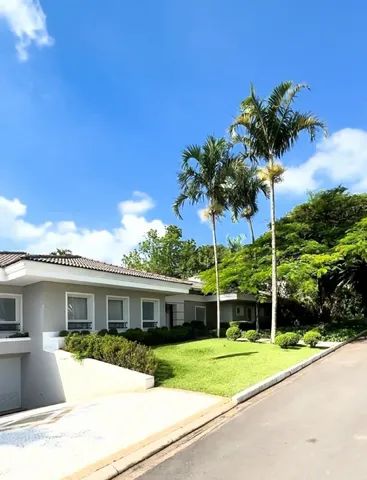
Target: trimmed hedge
(286,340)
(114,350)
(251,335)
(311,338)
(163,335)
(233,333)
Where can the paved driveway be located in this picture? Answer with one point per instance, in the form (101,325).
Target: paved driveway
(52,442)
(314,427)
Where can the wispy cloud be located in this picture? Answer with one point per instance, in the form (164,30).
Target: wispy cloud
(27,21)
(105,244)
(340,158)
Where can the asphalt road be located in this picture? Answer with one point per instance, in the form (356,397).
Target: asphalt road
(313,426)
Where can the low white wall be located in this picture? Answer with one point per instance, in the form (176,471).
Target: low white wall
(89,378)
(14,346)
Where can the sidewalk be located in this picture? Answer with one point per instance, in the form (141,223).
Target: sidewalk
(74,440)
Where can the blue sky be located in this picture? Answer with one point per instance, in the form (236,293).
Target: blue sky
(98,99)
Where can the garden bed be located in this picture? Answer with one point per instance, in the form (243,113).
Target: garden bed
(221,367)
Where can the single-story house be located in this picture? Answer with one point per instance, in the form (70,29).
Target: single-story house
(44,294)
(239,307)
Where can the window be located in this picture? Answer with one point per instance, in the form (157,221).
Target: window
(79,311)
(149,313)
(118,312)
(10,312)
(240,310)
(200,314)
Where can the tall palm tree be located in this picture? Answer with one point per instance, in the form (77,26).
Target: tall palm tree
(267,129)
(203,176)
(244,189)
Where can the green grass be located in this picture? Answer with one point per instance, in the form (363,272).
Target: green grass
(222,367)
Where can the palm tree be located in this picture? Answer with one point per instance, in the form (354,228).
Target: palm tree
(267,129)
(203,176)
(244,189)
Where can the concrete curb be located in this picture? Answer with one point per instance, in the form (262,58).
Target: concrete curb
(123,463)
(279,377)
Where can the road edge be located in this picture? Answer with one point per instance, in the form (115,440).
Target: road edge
(117,467)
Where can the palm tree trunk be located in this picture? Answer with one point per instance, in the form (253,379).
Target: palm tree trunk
(274,285)
(257,322)
(216,272)
(249,221)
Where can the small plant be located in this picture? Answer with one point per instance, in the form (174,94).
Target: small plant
(286,340)
(113,331)
(311,338)
(85,332)
(63,333)
(251,335)
(233,333)
(234,324)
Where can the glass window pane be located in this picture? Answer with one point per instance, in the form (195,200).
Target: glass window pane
(7,310)
(115,309)
(148,310)
(77,308)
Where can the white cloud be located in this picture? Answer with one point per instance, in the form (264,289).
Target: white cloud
(340,158)
(203,215)
(27,21)
(107,245)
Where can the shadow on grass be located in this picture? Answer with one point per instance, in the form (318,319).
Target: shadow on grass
(164,372)
(230,355)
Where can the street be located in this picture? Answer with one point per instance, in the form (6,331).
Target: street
(313,426)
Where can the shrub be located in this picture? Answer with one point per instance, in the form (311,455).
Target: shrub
(102,332)
(197,324)
(251,335)
(134,334)
(234,324)
(233,333)
(113,331)
(63,333)
(19,335)
(311,338)
(85,332)
(286,340)
(114,350)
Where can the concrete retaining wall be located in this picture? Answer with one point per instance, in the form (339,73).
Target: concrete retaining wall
(90,378)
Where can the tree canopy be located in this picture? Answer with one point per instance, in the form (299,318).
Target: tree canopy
(321,246)
(170,254)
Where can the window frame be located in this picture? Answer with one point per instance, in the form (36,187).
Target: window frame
(90,309)
(123,298)
(18,297)
(202,307)
(158,321)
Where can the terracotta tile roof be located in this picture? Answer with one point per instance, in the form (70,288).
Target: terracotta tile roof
(8,258)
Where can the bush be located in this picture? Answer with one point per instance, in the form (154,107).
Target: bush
(233,333)
(63,333)
(113,331)
(85,332)
(286,340)
(311,338)
(102,332)
(251,335)
(19,335)
(134,334)
(234,323)
(114,350)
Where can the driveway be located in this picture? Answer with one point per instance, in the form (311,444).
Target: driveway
(53,442)
(313,426)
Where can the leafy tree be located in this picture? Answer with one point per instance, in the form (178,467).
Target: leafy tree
(267,129)
(203,176)
(61,252)
(169,254)
(317,269)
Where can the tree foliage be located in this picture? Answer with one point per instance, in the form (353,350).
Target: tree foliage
(321,250)
(170,254)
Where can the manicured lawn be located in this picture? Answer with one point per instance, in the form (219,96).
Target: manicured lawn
(221,367)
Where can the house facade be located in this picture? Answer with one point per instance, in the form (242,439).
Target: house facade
(43,294)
